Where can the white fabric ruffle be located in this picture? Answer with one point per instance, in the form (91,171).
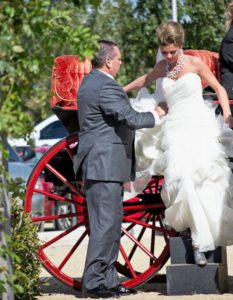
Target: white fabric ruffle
(190,148)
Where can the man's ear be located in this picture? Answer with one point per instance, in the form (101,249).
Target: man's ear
(108,62)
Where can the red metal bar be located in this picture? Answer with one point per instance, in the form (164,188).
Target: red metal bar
(138,222)
(127,262)
(61,235)
(139,239)
(152,245)
(143,207)
(72,250)
(132,225)
(58,198)
(143,248)
(56,217)
(63,179)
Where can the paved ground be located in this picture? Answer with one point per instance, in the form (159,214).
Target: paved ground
(53,289)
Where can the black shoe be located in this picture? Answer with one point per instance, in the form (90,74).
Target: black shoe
(99,292)
(121,290)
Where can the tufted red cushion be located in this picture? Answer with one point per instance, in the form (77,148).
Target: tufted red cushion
(67,74)
(210,58)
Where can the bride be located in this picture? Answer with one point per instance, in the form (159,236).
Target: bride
(189,147)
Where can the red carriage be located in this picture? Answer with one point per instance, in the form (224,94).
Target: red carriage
(144,246)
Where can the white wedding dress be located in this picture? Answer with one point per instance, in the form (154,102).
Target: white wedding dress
(190,147)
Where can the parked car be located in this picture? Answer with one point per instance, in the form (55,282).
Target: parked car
(44,135)
(48,132)
(25,152)
(52,207)
(18,169)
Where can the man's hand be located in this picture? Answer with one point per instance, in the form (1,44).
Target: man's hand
(229,120)
(162,109)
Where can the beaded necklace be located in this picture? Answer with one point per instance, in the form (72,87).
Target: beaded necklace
(176,70)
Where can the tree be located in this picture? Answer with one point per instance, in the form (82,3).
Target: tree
(204,23)
(33,33)
(132,25)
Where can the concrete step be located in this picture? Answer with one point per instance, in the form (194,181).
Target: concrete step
(184,277)
(191,279)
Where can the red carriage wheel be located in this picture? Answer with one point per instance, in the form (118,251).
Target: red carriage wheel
(144,243)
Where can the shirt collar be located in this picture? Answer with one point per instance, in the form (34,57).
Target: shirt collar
(109,75)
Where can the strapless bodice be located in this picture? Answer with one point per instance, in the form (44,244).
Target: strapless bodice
(185,91)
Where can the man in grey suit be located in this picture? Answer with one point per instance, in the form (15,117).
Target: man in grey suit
(105,158)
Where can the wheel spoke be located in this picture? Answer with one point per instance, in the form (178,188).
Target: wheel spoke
(72,250)
(139,239)
(56,217)
(124,255)
(140,245)
(131,225)
(162,226)
(152,245)
(61,235)
(141,207)
(144,224)
(60,198)
(63,179)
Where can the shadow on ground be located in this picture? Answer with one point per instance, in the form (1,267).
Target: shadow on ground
(50,286)
(230,278)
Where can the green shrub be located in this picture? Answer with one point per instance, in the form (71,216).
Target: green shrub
(24,244)
(6,277)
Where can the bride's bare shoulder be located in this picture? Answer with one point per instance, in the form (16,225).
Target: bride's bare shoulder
(193,60)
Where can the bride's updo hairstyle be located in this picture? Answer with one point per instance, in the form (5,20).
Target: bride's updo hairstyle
(229,15)
(170,33)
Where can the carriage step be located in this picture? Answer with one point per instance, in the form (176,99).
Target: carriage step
(192,279)
(186,278)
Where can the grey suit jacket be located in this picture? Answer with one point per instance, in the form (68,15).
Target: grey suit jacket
(226,62)
(107,126)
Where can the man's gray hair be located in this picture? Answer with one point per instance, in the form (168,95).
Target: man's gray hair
(106,50)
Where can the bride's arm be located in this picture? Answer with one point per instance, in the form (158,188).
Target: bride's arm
(208,76)
(144,80)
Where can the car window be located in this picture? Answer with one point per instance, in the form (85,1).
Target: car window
(55,130)
(13,156)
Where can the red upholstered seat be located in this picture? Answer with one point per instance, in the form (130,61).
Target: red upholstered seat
(67,74)
(210,58)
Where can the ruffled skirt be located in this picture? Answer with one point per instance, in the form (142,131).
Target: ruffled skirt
(191,150)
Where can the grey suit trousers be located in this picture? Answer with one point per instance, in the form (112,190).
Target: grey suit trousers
(104,202)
